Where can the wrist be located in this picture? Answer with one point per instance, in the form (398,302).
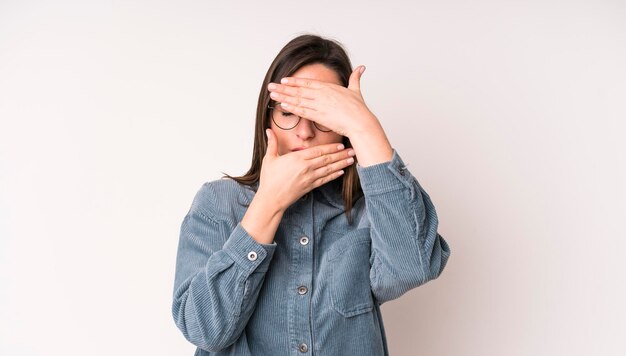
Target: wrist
(368,125)
(371,146)
(262,219)
(267,202)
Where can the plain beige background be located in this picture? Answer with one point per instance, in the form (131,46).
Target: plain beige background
(510,114)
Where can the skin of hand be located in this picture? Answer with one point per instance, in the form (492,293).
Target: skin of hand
(341,109)
(288,177)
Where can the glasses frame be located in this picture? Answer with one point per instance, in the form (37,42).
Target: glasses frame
(272,107)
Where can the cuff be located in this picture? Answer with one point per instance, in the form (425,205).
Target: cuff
(385,177)
(247,252)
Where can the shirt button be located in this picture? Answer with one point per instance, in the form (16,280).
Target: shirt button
(252,256)
(303,347)
(302,290)
(304,240)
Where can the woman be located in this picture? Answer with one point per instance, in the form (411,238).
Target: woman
(297,255)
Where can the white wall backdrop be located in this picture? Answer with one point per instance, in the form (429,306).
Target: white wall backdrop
(510,114)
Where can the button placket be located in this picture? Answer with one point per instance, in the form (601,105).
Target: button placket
(299,306)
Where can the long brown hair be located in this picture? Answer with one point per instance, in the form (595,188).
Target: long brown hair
(301,51)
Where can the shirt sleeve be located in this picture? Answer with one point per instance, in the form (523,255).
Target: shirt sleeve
(219,273)
(407,251)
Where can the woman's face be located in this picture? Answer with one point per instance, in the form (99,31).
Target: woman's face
(305,134)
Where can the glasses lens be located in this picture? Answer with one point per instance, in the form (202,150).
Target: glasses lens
(321,127)
(284,119)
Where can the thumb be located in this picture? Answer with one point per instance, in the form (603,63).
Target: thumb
(354,82)
(272,146)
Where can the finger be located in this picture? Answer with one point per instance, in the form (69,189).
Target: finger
(320,150)
(303,92)
(303,82)
(327,178)
(272,145)
(354,82)
(297,101)
(306,113)
(332,167)
(331,158)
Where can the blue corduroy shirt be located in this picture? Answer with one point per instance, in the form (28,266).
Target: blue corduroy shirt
(317,289)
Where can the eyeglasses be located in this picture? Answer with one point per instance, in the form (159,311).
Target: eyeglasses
(287,121)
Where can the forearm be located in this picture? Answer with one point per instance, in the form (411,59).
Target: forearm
(407,249)
(217,282)
(262,219)
(370,144)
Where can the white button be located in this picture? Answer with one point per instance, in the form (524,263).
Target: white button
(252,256)
(303,347)
(304,240)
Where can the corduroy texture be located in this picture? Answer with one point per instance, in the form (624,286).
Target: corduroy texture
(234,296)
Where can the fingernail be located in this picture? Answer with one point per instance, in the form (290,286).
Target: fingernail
(350,160)
(351,153)
(362,69)
(284,80)
(340,147)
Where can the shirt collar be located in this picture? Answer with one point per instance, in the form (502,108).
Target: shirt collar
(331,192)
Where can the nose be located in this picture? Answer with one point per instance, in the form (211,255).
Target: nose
(305,129)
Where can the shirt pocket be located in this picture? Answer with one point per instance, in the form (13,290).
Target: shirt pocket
(349,272)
